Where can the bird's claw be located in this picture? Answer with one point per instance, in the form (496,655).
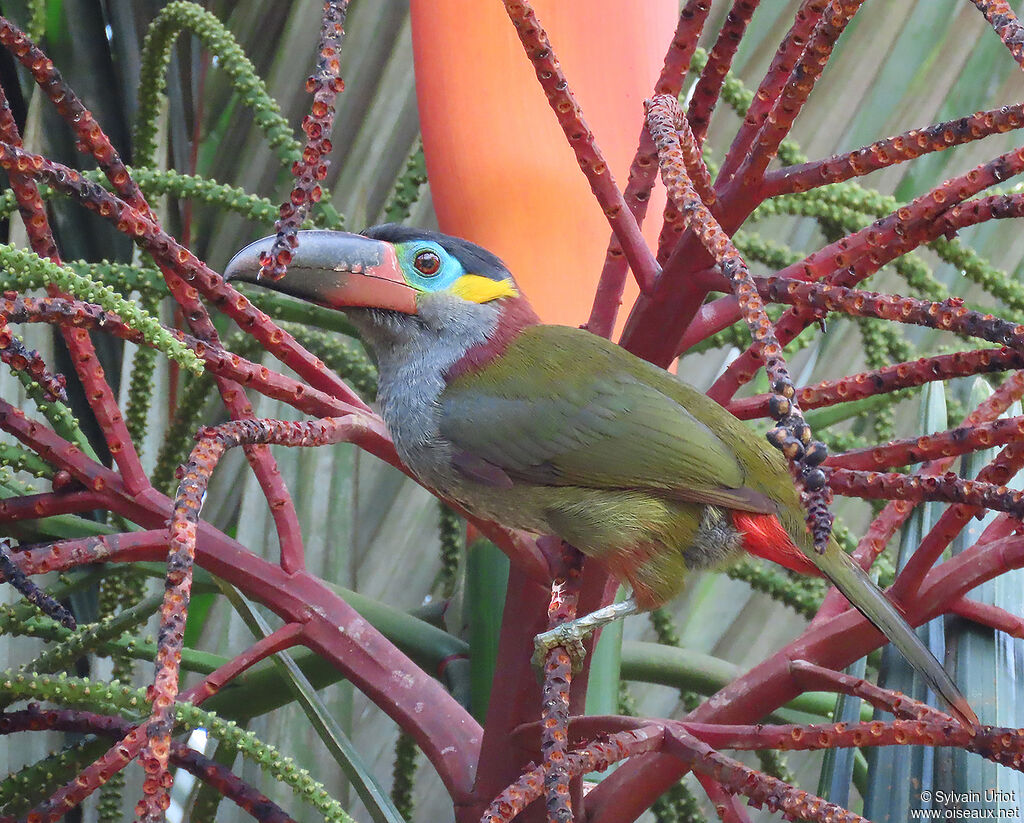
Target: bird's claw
(569,636)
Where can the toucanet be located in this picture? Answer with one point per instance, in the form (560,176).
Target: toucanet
(558,431)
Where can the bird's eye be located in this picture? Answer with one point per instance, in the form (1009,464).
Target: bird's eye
(427,262)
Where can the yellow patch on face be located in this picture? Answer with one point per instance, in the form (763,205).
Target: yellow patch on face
(479,289)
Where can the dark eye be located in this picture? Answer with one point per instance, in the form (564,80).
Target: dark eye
(427,262)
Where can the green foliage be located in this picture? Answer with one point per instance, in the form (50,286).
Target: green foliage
(173,19)
(177,441)
(57,414)
(87,638)
(140,389)
(803,594)
(25,271)
(21,790)
(36,27)
(404,775)
(114,698)
(20,460)
(452,529)
(407,188)
(678,805)
(346,358)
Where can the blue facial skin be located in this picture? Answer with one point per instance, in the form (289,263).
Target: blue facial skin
(411,254)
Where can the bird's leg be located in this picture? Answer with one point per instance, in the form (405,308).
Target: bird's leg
(570,635)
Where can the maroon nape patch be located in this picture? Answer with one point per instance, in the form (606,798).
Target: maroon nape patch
(516,315)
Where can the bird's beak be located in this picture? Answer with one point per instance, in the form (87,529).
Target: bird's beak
(333,269)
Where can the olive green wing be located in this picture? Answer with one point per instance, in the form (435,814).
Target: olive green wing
(563,407)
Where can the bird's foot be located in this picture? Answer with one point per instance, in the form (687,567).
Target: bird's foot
(569,636)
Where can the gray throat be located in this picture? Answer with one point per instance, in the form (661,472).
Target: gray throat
(413,352)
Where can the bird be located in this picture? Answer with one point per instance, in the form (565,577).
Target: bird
(555,430)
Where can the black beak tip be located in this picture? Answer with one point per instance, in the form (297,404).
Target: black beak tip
(245,265)
(316,249)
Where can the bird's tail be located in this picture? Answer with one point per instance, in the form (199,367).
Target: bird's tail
(870,601)
(765,536)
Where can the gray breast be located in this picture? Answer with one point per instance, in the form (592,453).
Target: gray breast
(413,352)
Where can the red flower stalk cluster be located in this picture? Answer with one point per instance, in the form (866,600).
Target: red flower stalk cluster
(211,445)
(555,697)
(763,791)
(644,170)
(20,358)
(218,361)
(1007,26)
(325,84)
(709,86)
(792,437)
(696,256)
(89,138)
(674,223)
(797,89)
(253,801)
(581,138)
(888,379)
(595,756)
(961,440)
(949,488)
(13,574)
(892,150)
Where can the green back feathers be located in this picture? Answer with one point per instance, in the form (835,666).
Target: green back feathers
(565,407)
